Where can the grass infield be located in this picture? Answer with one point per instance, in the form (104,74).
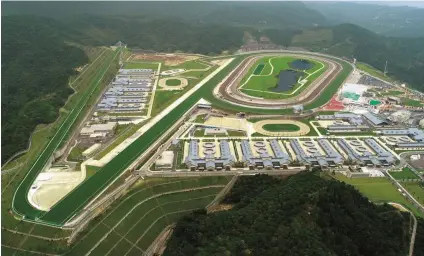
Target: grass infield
(173,82)
(261,81)
(281,127)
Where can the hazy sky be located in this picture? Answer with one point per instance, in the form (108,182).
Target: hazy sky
(418,3)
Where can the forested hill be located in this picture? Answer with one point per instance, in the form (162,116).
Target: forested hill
(302,215)
(257,14)
(36,66)
(163,35)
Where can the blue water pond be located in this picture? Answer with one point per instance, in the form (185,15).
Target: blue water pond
(286,80)
(301,64)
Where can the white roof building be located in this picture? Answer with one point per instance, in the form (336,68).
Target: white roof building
(98,128)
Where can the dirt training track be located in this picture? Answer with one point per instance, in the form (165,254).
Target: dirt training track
(228,90)
(303,128)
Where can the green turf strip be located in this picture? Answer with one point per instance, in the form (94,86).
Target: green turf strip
(259,69)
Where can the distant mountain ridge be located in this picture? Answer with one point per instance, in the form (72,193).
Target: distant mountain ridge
(399,21)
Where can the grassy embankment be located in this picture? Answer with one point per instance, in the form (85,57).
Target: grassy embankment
(144,212)
(150,206)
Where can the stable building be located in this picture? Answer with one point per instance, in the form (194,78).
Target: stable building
(312,157)
(209,162)
(380,157)
(262,159)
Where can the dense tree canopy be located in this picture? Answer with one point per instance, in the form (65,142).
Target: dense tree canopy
(302,215)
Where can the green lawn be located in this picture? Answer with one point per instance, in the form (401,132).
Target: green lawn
(392,93)
(411,102)
(76,154)
(164,99)
(200,118)
(416,190)
(136,65)
(406,173)
(281,127)
(322,130)
(270,67)
(173,82)
(364,133)
(379,190)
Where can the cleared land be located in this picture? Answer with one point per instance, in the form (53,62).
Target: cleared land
(187,65)
(136,65)
(379,190)
(261,81)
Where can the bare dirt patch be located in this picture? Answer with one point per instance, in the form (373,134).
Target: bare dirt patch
(220,207)
(168,59)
